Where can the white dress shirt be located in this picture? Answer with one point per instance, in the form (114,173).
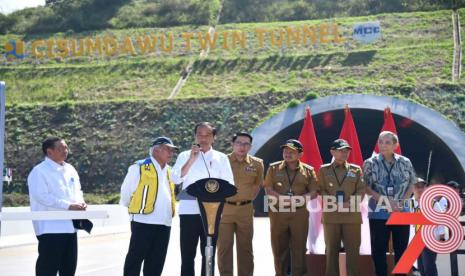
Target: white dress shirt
(162,212)
(439,206)
(216,165)
(53,187)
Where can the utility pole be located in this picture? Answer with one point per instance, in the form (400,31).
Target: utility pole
(2,142)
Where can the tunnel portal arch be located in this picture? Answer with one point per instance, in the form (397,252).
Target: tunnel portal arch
(420,130)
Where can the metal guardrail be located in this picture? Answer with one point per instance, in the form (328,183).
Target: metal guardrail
(53,215)
(454,265)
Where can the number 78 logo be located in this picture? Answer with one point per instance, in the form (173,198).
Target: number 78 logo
(428,220)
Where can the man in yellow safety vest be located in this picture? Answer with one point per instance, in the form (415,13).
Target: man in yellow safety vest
(148,192)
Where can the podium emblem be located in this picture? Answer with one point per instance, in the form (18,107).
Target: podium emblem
(212,186)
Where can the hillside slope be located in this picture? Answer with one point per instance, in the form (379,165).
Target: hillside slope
(415,49)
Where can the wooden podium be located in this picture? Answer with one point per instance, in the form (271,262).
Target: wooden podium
(316,264)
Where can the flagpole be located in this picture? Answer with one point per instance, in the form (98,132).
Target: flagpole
(429,165)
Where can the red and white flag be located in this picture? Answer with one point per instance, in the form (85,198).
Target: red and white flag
(307,137)
(311,156)
(349,133)
(389,125)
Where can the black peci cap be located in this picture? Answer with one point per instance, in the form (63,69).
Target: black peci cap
(453,184)
(293,144)
(339,144)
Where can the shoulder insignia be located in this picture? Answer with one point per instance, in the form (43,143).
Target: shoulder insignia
(327,165)
(355,168)
(275,164)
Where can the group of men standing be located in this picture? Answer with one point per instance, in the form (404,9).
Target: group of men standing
(200,162)
(148,191)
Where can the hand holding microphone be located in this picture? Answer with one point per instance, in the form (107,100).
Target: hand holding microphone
(195,152)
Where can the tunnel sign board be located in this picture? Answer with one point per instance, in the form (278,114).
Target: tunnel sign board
(367,32)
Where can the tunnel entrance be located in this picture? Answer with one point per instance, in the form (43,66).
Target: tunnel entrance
(421,131)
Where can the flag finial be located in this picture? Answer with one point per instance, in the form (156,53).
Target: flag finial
(387,109)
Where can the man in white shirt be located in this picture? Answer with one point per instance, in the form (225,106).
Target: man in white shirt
(201,161)
(54,185)
(456,186)
(148,192)
(427,259)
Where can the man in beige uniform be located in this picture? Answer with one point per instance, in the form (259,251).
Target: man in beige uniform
(288,184)
(238,211)
(341,181)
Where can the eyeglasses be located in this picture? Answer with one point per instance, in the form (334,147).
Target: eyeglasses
(204,136)
(242,144)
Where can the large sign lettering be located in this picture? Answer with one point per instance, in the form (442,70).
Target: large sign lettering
(166,43)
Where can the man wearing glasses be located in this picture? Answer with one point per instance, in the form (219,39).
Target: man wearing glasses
(238,211)
(387,176)
(148,192)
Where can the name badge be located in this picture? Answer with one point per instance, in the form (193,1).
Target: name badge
(340,196)
(250,169)
(390,190)
(350,174)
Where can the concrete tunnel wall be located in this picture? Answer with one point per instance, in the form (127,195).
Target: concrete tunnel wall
(420,130)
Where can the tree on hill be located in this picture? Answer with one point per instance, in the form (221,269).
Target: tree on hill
(83,15)
(51,2)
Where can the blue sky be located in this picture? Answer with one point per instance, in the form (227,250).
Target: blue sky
(9,6)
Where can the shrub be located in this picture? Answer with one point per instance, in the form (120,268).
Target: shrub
(293,103)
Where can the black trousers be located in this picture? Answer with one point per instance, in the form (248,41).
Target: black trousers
(57,253)
(427,263)
(380,233)
(148,244)
(191,232)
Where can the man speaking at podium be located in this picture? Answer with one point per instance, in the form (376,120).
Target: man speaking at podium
(201,161)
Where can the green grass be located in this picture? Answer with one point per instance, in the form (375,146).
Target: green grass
(415,48)
(109,109)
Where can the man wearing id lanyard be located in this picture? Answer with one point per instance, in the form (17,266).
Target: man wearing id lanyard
(237,218)
(341,182)
(389,178)
(288,183)
(201,161)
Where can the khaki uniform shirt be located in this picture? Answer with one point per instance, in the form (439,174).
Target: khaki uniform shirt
(304,182)
(248,176)
(346,178)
